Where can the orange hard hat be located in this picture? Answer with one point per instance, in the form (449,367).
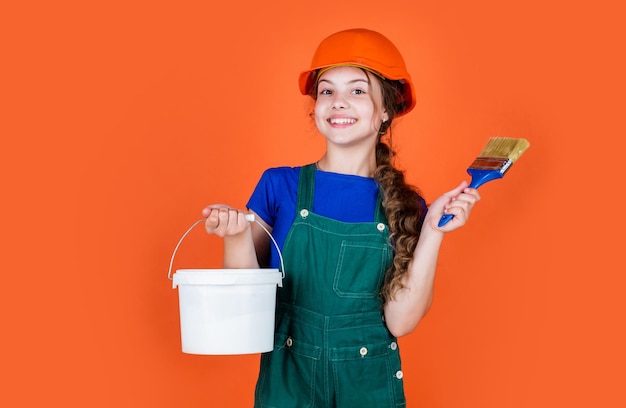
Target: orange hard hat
(361,48)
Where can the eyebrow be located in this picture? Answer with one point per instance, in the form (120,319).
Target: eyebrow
(350,82)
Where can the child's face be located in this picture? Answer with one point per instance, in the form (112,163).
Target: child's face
(348,108)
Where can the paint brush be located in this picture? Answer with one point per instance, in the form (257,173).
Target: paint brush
(493,161)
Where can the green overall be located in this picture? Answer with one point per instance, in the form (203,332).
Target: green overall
(332,348)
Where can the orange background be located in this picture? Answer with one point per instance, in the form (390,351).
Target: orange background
(121,120)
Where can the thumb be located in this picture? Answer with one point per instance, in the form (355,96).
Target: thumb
(443,202)
(457,190)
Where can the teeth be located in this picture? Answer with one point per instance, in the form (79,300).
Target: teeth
(342,121)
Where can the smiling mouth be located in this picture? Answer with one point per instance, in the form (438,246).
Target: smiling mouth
(341,121)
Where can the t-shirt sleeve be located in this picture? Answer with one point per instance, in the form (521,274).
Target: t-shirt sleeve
(262,200)
(274,197)
(422,204)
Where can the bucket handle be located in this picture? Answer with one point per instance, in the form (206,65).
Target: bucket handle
(249,218)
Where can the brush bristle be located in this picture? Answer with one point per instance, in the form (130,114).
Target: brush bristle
(505,147)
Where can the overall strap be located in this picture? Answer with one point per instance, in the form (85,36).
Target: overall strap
(379,215)
(306,187)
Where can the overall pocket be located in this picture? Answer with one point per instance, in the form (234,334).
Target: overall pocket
(367,376)
(287,375)
(360,269)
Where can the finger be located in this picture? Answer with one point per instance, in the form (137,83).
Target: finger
(464,198)
(223,218)
(212,220)
(237,221)
(241,218)
(466,194)
(460,210)
(457,190)
(217,221)
(452,195)
(462,205)
(207,210)
(472,192)
(468,198)
(231,225)
(449,198)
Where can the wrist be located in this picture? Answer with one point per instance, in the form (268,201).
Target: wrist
(430,232)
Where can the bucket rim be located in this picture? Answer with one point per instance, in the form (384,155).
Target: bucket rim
(231,277)
(229,270)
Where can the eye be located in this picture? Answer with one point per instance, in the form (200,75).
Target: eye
(325,92)
(358,91)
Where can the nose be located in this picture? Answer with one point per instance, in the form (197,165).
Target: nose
(339,101)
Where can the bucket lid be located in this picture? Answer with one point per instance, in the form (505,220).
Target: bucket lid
(227,277)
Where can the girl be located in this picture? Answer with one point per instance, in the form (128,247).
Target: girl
(360,246)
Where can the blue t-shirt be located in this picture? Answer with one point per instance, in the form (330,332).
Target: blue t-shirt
(342,197)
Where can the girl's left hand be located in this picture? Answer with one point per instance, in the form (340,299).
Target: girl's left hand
(458,202)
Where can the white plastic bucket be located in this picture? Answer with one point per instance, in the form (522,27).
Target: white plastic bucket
(226,311)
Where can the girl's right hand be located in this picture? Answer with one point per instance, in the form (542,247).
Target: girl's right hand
(224,221)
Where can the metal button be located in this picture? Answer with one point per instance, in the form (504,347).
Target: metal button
(399,374)
(393,345)
(304,213)
(380,226)
(289,342)
(363,351)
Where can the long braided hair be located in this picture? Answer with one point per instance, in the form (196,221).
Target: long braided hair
(404,206)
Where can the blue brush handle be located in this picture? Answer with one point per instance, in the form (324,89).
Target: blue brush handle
(479,177)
